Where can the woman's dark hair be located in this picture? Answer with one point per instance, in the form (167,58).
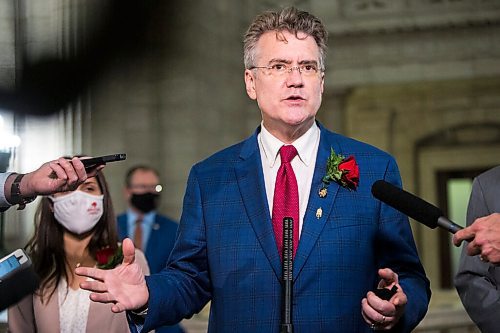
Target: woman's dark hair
(46,247)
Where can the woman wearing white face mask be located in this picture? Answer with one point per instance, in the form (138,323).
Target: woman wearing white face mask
(72,229)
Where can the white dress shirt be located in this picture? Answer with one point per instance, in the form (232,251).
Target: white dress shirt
(303,164)
(3,201)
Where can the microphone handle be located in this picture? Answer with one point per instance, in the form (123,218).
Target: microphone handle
(287,277)
(444,223)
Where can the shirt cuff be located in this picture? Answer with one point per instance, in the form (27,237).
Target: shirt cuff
(3,200)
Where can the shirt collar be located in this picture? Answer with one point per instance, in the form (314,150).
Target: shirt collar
(305,145)
(148,219)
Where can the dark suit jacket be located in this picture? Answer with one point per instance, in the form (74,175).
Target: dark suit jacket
(477,282)
(226,251)
(160,244)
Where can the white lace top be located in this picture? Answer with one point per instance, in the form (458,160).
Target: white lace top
(73,308)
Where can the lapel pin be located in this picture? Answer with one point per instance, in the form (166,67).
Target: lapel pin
(319,212)
(156,226)
(323,192)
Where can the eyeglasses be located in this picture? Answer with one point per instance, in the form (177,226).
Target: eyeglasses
(308,70)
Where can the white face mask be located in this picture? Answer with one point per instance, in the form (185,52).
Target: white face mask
(78,212)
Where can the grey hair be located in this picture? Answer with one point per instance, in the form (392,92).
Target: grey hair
(290,19)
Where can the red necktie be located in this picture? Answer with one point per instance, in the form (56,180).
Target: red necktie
(138,234)
(286,198)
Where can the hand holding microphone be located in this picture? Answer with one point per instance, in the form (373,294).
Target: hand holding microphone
(483,235)
(484,238)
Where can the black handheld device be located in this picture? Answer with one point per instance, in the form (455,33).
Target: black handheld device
(386,293)
(92,162)
(17,278)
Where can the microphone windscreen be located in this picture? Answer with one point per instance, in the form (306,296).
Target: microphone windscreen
(407,203)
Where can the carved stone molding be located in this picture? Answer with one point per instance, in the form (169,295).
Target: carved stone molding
(382,16)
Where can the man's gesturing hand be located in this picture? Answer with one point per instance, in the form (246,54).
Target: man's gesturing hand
(380,314)
(123,285)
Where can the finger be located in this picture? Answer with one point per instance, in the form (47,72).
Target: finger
(371,315)
(128,251)
(91,272)
(473,249)
(363,305)
(118,307)
(388,277)
(494,259)
(458,238)
(79,168)
(463,235)
(69,170)
(58,170)
(102,297)
(400,298)
(387,308)
(95,286)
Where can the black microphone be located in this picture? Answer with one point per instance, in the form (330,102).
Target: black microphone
(18,283)
(416,208)
(286,325)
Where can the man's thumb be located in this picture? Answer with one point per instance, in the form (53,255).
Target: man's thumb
(128,251)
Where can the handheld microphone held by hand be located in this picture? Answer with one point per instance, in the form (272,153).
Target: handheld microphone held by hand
(416,208)
(17,278)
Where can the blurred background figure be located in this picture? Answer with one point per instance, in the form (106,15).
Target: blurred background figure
(152,232)
(72,229)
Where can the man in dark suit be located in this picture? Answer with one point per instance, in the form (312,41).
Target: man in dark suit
(478,277)
(229,244)
(152,232)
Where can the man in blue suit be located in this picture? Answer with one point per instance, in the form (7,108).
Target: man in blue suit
(227,250)
(153,233)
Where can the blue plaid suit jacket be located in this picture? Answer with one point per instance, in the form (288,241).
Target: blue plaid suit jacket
(226,253)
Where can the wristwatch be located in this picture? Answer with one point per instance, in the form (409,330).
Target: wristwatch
(16,196)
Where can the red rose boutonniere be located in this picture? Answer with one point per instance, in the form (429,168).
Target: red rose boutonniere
(344,171)
(107,258)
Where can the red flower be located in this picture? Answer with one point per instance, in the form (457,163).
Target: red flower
(350,172)
(103,255)
(108,258)
(344,171)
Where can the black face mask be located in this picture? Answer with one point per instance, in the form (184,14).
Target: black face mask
(145,202)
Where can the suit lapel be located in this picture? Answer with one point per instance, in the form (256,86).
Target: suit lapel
(253,192)
(314,221)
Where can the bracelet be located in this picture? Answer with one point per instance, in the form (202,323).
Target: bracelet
(16,196)
(142,312)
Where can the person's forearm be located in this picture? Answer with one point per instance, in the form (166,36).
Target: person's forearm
(20,193)
(8,187)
